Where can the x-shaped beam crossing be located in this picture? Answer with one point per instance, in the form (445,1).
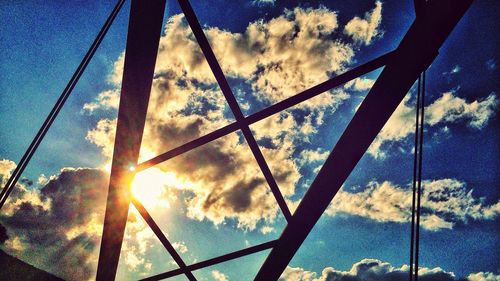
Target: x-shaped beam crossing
(415,53)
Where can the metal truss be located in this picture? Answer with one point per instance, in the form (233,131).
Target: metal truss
(419,47)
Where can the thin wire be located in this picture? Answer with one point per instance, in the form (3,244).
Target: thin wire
(415,163)
(419,192)
(11,183)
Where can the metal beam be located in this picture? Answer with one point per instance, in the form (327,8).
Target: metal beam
(416,51)
(163,239)
(143,37)
(271,110)
(233,105)
(214,261)
(14,177)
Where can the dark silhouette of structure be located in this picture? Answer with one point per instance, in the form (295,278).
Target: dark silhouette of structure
(402,67)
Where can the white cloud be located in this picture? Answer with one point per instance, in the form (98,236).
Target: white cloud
(277,58)
(263,2)
(309,156)
(116,76)
(105,100)
(103,136)
(6,167)
(448,109)
(456,69)
(285,55)
(59,211)
(491,64)
(267,229)
(399,126)
(360,84)
(483,276)
(138,239)
(375,270)
(15,245)
(367,29)
(445,203)
(20,193)
(297,274)
(219,276)
(42,180)
(180,246)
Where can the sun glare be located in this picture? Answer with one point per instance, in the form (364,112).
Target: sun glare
(151,187)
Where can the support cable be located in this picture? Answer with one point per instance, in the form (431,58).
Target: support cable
(419,182)
(417,179)
(11,183)
(414,180)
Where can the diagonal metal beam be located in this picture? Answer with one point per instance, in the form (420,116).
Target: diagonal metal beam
(163,239)
(271,110)
(214,261)
(233,104)
(143,37)
(416,51)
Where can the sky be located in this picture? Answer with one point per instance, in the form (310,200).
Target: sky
(214,200)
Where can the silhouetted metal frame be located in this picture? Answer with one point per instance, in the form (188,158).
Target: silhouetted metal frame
(233,105)
(163,239)
(214,261)
(241,123)
(269,111)
(287,103)
(419,47)
(280,106)
(415,53)
(144,30)
(402,68)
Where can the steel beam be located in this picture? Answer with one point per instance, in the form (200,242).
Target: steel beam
(233,105)
(163,239)
(143,37)
(213,261)
(416,51)
(271,110)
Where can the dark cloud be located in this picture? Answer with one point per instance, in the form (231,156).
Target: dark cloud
(75,194)
(61,232)
(3,234)
(26,182)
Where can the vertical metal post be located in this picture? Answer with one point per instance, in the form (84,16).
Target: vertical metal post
(143,37)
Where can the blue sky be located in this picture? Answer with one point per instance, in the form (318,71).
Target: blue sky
(42,43)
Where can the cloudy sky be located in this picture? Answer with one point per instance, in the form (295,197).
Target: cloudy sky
(215,200)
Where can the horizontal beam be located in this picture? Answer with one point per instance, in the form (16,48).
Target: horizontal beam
(271,110)
(214,261)
(416,51)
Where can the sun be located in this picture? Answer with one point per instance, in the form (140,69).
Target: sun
(151,187)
